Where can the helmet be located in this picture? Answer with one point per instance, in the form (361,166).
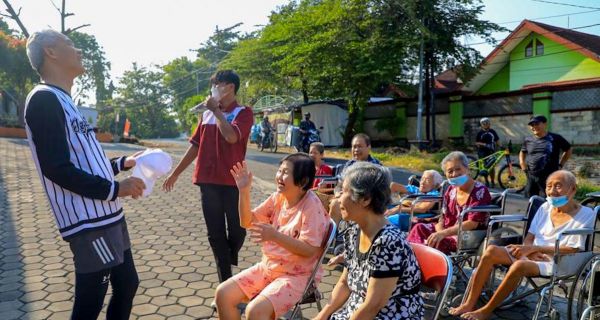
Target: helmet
(484,120)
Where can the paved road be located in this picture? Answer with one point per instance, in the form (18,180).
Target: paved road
(170,245)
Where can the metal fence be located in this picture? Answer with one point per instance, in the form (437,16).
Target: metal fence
(576,99)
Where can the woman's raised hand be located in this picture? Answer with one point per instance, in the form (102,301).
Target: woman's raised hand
(242,177)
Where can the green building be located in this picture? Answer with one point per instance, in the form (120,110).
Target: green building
(537,69)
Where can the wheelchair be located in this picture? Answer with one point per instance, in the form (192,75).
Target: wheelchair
(580,288)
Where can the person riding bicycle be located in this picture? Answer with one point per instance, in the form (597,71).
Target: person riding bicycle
(305,127)
(487,141)
(265,129)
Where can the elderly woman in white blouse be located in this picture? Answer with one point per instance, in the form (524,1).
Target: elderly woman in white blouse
(533,258)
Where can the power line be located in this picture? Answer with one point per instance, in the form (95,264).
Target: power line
(543,33)
(565,4)
(550,17)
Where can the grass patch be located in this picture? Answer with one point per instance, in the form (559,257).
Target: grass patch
(584,187)
(415,161)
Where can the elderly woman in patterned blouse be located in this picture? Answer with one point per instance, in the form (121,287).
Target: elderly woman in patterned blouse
(382,276)
(462,193)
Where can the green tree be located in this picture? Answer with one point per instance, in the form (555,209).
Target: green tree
(184,79)
(16,75)
(350,48)
(143,96)
(97,68)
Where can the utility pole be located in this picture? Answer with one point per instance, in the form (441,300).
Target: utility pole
(420,104)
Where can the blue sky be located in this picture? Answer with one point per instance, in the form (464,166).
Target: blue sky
(155,32)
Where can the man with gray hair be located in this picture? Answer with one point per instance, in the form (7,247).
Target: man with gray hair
(79,181)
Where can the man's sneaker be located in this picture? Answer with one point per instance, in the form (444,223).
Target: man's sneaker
(213,305)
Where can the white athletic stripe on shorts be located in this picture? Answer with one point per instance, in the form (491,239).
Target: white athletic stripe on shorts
(107,249)
(98,252)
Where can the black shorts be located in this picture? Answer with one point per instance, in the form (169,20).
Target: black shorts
(96,250)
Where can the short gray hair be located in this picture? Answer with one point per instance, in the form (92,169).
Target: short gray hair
(453,156)
(36,44)
(369,181)
(437,177)
(568,177)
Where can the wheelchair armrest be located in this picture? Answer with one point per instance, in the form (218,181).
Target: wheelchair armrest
(408,197)
(487,209)
(423,199)
(572,232)
(327,178)
(508,218)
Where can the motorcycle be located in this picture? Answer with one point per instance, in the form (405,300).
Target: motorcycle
(268,140)
(314,135)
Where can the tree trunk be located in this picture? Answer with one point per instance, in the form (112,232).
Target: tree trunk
(15,16)
(427,95)
(432,105)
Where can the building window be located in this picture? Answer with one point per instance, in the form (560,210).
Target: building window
(539,48)
(529,49)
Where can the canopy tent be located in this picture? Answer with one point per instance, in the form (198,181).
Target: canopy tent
(332,116)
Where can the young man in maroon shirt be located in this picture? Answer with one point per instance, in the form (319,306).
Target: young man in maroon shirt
(217,144)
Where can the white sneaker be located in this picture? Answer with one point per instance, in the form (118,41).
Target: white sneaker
(213,305)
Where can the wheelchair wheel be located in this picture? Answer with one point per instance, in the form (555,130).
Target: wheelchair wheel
(579,292)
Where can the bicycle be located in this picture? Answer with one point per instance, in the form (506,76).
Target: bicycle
(510,175)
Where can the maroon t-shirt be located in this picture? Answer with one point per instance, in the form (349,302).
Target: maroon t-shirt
(216,156)
(479,196)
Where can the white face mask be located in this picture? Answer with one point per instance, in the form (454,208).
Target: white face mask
(215,93)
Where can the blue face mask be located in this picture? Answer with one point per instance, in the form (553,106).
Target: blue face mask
(557,202)
(458,181)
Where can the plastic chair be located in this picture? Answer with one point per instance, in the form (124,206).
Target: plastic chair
(311,293)
(436,273)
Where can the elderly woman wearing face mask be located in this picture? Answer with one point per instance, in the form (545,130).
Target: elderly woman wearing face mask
(561,212)
(462,193)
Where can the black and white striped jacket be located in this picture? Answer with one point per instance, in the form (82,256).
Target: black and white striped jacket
(78,178)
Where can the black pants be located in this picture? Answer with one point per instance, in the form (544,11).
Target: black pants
(225,235)
(536,184)
(90,289)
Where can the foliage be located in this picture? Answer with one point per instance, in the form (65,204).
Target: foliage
(16,75)
(415,161)
(589,151)
(191,119)
(9,120)
(349,48)
(144,100)
(584,187)
(97,69)
(184,79)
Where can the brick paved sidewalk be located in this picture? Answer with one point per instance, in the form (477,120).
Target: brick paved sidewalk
(170,246)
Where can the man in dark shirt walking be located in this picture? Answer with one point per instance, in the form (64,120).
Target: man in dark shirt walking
(542,154)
